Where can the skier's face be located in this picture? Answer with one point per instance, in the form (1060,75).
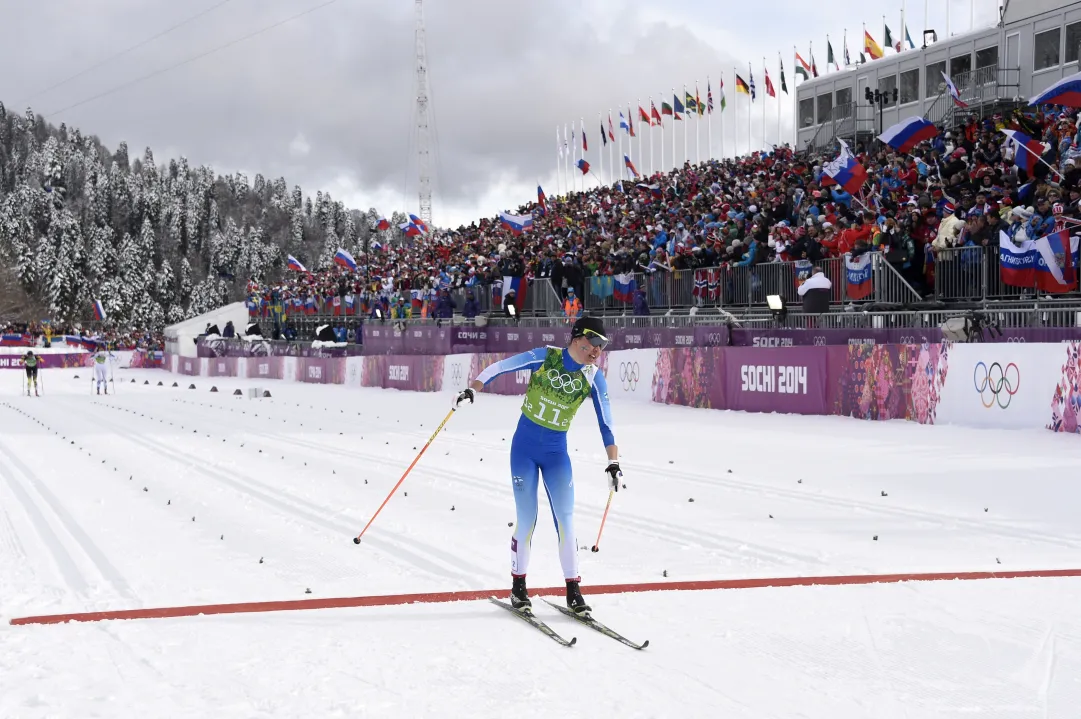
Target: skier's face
(587,351)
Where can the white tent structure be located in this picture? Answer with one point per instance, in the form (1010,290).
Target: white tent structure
(180,338)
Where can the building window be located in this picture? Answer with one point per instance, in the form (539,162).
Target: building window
(910,85)
(1045,49)
(825,107)
(844,100)
(959,66)
(886,85)
(807,112)
(1073,41)
(988,56)
(933,83)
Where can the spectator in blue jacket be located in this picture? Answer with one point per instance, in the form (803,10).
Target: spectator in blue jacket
(470,308)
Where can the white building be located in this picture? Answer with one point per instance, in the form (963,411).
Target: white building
(1036,43)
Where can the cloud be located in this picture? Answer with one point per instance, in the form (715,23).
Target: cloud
(299,147)
(328,101)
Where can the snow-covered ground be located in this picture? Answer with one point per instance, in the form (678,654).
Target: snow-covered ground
(155,496)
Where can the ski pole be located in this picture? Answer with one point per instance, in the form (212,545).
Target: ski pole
(356,539)
(597,545)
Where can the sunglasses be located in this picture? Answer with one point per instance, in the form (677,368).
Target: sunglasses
(596,339)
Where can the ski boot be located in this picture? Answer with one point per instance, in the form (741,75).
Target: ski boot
(519,597)
(575,601)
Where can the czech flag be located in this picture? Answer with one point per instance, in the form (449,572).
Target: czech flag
(419,223)
(624,287)
(99,311)
(845,171)
(294,264)
(1028,151)
(1055,268)
(1016,265)
(858,276)
(629,165)
(383,224)
(908,133)
(517,224)
(583,166)
(343,258)
(408,229)
(1066,91)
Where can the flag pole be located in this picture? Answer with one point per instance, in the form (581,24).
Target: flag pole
(611,147)
(640,134)
(604,143)
(904,27)
(765,74)
(582,129)
(651,136)
(662,165)
(621,152)
(709,120)
(780,64)
(1049,167)
(721,80)
(675,163)
(686,126)
(559,156)
(750,112)
(697,118)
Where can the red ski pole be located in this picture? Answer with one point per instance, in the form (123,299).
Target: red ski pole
(356,539)
(597,545)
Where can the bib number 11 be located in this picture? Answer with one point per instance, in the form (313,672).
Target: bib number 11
(540,414)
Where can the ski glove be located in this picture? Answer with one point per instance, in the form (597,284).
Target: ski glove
(614,474)
(465,394)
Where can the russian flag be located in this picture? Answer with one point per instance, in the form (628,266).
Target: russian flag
(1055,268)
(845,171)
(1066,91)
(1016,265)
(376,247)
(294,264)
(345,259)
(630,165)
(517,224)
(509,283)
(858,276)
(309,306)
(953,91)
(583,166)
(542,200)
(13,341)
(409,229)
(908,133)
(419,223)
(624,287)
(1028,150)
(653,189)
(349,306)
(383,224)
(99,311)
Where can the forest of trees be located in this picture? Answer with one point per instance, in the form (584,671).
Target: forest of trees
(156,244)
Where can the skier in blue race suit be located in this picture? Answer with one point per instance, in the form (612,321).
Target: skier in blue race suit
(561,379)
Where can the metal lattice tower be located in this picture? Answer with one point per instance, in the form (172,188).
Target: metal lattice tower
(423,137)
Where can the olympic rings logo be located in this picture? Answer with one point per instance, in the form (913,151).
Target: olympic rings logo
(629,374)
(1016,339)
(996,380)
(563,382)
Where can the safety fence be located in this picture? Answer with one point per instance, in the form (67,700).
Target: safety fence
(1006,385)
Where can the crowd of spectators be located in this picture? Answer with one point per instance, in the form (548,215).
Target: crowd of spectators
(42,334)
(957,190)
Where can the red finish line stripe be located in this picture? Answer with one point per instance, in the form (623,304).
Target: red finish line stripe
(475,595)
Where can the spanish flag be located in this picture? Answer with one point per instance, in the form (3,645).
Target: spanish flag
(871,47)
(741,86)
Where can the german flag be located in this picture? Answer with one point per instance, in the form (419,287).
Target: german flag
(741,86)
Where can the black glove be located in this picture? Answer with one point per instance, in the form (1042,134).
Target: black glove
(614,473)
(465,394)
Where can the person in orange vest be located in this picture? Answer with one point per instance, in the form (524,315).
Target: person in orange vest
(572,306)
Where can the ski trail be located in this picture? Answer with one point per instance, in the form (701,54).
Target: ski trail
(73,528)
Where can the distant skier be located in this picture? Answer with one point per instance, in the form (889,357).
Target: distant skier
(101,359)
(30,362)
(562,379)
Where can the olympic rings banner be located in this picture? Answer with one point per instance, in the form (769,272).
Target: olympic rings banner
(1006,386)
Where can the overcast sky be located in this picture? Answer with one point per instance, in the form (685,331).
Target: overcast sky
(327,100)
